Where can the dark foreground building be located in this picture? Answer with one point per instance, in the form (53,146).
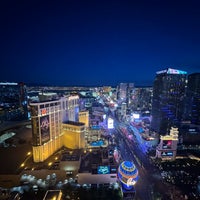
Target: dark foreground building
(13,101)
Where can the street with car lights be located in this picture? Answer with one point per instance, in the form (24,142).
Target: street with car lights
(150,184)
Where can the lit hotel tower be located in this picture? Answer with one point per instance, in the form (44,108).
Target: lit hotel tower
(168,99)
(192,109)
(122,91)
(55,124)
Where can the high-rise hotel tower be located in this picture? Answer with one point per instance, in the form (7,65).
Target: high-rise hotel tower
(168,99)
(51,121)
(192,108)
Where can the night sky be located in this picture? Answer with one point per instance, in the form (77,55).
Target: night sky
(97,42)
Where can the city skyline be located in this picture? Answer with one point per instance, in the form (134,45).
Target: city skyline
(94,43)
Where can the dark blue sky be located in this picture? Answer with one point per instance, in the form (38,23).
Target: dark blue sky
(97,42)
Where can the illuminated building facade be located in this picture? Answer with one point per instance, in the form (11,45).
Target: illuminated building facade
(107,89)
(192,108)
(73,135)
(13,100)
(166,150)
(130,92)
(122,91)
(47,118)
(125,92)
(84,117)
(123,109)
(141,99)
(168,99)
(128,177)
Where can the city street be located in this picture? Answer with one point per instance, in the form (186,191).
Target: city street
(142,186)
(150,183)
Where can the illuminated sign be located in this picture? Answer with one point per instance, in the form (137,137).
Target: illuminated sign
(44,128)
(131,182)
(171,71)
(113,170)
(136,116)
(103,170)
(169,153)
(167,144)
(175,71)
(161,72)
(110,123)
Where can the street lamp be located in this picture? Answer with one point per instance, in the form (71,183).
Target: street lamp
(22,165)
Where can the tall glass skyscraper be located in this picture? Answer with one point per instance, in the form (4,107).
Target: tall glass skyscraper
(192,108)
(125,92)
(168,99)
(122,91)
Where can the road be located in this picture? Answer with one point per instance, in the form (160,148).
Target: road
(150,181)
(142,187)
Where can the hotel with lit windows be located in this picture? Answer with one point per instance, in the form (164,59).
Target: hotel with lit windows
(55,123)
(168,99)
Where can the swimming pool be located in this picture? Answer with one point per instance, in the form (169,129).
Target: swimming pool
(97,143)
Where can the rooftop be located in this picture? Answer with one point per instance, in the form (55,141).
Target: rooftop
(71,155)
(91,160)
(74,123)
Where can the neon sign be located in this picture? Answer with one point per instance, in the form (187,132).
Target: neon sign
(171,71)
(131,182)
(175,71)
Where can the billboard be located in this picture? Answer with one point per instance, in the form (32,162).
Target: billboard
(44,128)
(136,115)
(110,123)
(167,144)
(165,154)
(103,170)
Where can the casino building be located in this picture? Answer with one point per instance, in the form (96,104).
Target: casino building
(55,124)
(167,148)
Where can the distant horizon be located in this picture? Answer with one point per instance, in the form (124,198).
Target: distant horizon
(138,83)
(92,85)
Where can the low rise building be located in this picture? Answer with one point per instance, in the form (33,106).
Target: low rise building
(166,150)
(97,167)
